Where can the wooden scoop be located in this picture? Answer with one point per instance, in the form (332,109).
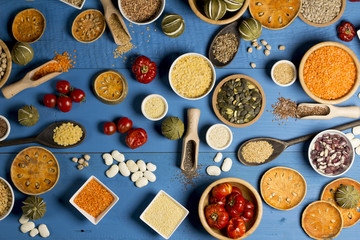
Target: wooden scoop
(279,146)
(27,82)
(46,137)
(110,10)
(349,112)
(190,147)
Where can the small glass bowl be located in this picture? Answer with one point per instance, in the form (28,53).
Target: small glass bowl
(293,67)
(143,107)
(8,128)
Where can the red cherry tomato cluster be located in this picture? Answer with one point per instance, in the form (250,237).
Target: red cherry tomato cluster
(135,137)
(68,95)
(229,210)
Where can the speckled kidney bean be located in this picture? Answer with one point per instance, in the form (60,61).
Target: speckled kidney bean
(330,154)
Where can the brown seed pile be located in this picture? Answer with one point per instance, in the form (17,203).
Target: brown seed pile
(304,111)
(3,127)
(140,10)
(225,47)
(257,151)
(284,109)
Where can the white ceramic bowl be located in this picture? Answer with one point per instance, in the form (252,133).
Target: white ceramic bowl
(211,66)
(87,215)
(12,201)
(74,5)
(208,136)
(331,131)
(293,67)
(8,128)
(144,23)
(143,107)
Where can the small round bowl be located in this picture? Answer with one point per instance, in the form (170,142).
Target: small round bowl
(5,77)
(198,8)
(12,200)
(331,131)
(213,75)
(248,192)
(307,90)
(293,67)
(75,26)
(208,141)
(154,18)
(8,128)
(143,107)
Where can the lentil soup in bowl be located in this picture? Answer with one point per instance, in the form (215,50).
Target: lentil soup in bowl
(336,59)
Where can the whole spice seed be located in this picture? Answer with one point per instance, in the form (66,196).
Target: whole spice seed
(189,159)
(304,111)
(257,151)
(284,73)
(140,10)
(321,11)
(225,47)
(3,127)
(281,47)
(284,109)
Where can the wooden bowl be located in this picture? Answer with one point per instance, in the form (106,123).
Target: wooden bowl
(216,91)
(343,5)
(351,91)
(198,9)
(88,26)
(248,192)
(8,62)
(19,19)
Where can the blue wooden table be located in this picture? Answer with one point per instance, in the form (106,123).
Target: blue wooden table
(123,222)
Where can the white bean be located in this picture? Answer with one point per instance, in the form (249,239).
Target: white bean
(355,142)
(226,165)
(26,227)
(150,176)
(356,130)
(34,232)
(44,231)
(357,151)
(74,159)
(141,182)
(213,170)
(117,156)
(349,135)
(151,167)
(142,165)
(23,219)
(218,157)
(124,169)
(132,166)
(136,175)
(112,171)
(108,159)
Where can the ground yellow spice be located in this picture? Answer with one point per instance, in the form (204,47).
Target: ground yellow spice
(330,72)
(94,198)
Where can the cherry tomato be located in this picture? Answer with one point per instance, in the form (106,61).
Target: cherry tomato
(235,205)
(64,103)
(136,138)
(249,205)
(77,95)
(49,100)
(236,228)
(221,190)
(63,86)
(221,201)
(216,216)
(236,190)
(109,128)
(124,124)
(248,214)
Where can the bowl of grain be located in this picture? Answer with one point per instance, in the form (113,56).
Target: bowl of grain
(329,73)
(154,107)
(141,12)
(283,73)
(198,7)
(7,198)
(219,137)
(248,192)
(5,64)
(4,128)
(192,76)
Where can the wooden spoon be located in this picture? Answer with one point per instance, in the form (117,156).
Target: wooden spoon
(110,10)
(46,137)
(279,146)
(27,82)
(190,147)
(350,112)
(231,28)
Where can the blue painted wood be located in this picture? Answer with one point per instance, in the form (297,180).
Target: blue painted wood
(123,222)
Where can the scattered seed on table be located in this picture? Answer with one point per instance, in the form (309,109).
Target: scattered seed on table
(141,182)
(355,142)
(263,42)
(132,166)
(151,167)
(150,176)
(259,47)
(44,231)
(74,159)
(213,170)
(80,167)
(349,135)
(249,50)
(81,161)
(359,95)
(356,130)
(108,159)
(357,151)
(34,232)
(226,165)
(253,65)
(268,47)
(124,170)
(27,227)
(267,52)
(136,175)
(254,44)
(85,164)
(87,157)
(112,171)
(281,47)
(23,219)
(117,156)
(141,164)
(218,157)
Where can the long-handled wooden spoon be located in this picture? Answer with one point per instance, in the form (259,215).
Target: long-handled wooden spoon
(28,82)
(279,146)
(46,137)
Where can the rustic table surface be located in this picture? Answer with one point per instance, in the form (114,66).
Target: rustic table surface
(122,222)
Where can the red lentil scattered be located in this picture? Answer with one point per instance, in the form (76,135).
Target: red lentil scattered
(94,198)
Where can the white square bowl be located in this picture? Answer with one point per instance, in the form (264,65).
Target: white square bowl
(74,5)
(176,202)
(87,215)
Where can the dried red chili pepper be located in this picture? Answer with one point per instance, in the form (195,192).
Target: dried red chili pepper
(144,69)
(346,31)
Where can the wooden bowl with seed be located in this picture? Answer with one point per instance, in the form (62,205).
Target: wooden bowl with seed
(5,50)
(248,192)
(28,25)
(198,8)
(88,26)
(110,87)
(343,5)
(224,105)
(35,171)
